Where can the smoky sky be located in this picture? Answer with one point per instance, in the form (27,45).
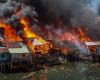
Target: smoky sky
(9,8)
(74,11)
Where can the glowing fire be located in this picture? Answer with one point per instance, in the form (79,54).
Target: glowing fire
(68,37)
(83,37)
(26,27)
(79,35)
(9,33)
(65,50)
(28,33)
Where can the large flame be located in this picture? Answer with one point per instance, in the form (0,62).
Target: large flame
(26,28)
(19,12)
(76,35)
(83,37)
(9,33)
(29,34)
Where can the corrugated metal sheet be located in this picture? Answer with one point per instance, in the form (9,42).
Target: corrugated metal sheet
(95,43)
(20,49)
(3,50)
(13,45)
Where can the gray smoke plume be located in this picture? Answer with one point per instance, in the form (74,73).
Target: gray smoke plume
(9,8)
(85,13)
(77,12)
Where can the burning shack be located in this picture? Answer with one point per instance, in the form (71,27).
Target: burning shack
(35,42)
(40,46)
(94,50)
(15,55)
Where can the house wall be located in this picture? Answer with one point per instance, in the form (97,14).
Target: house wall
(21,57)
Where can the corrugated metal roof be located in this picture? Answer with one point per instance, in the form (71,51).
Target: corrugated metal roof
(94,43)
(22,49)
(13,44)
(3,49)
(18,50)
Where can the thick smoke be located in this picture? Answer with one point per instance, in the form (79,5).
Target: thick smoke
(10,9)
(11,12)
(73,13)
(77,12)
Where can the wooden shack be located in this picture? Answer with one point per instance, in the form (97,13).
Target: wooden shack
(21,56)
(4,57)
(94,50)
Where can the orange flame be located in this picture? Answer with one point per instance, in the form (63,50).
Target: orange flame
(28,33)
(9,34)
(83,37)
